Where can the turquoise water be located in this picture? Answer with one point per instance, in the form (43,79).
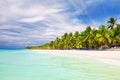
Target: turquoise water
(32,65)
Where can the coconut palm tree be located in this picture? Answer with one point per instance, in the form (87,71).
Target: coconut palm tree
(103,37)
(111,22)
(116,35)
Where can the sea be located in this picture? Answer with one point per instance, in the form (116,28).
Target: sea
(37,65)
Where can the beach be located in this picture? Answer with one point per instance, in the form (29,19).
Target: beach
(109,57)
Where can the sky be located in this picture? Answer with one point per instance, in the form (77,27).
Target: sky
(35,22)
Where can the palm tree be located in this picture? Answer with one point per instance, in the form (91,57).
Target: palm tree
(103,37)
(111,22)
(85,35)
(116,35)
(70,40)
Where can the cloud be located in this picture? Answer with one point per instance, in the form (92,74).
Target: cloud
(33,19)
(42,15)
(8,27)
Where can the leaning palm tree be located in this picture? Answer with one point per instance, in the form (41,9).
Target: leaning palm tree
(111,22)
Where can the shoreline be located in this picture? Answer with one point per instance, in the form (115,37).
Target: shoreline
(108,57)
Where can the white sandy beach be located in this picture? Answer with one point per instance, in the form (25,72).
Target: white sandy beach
(109,57)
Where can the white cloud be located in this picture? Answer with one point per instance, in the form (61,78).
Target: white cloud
(33,19)
(39,14)
(9,27)
(51,13)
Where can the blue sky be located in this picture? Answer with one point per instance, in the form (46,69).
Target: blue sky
(35,22)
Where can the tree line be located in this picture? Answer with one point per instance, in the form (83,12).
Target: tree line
(103,37)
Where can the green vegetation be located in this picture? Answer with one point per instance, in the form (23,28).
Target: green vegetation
(103,37)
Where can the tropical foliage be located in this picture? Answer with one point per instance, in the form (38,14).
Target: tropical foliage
(103,37)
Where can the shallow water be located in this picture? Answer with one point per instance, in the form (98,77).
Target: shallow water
(32,65)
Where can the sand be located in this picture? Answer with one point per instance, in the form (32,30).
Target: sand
(109,57)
